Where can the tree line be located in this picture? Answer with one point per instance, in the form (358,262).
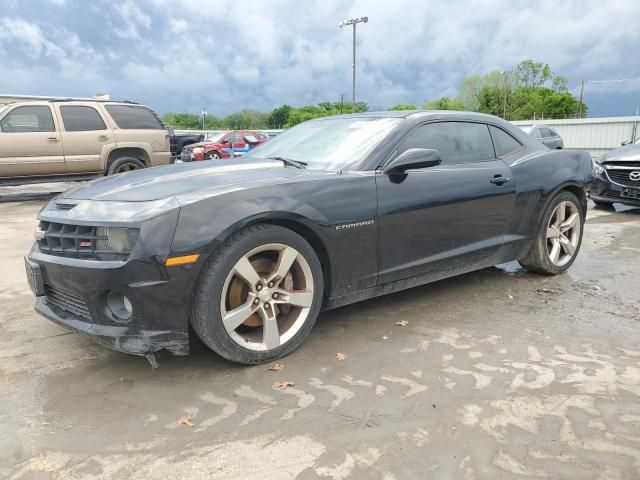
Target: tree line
(530,90)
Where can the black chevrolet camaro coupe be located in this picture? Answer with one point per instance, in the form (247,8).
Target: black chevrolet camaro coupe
(330,212)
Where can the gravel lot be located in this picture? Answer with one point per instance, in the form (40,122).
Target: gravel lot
(498,374)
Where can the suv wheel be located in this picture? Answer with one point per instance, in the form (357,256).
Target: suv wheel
(124,164)
(559,237)
(259,295)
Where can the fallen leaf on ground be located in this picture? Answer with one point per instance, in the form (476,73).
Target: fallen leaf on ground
(402,323)
(283,385)
(186,420)
(276,367)
(341,356)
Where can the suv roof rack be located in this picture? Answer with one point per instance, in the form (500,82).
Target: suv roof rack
(44,98)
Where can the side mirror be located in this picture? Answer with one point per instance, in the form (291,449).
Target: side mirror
(412,159)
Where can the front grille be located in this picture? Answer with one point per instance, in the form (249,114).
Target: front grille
(76,241)
(622,177)
(66,301)
(630,164)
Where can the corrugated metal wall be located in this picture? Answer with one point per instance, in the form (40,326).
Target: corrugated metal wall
(596,135)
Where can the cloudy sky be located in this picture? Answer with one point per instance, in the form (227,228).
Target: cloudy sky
(226,55)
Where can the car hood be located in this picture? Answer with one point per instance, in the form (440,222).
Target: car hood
(628,153)
(187,178)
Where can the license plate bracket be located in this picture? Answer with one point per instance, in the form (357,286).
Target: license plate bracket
(633,193)
(34,277)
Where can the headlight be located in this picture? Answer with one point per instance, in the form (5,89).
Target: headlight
(596,168)
(198,150)
(118,240)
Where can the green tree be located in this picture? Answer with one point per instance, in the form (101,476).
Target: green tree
(444,103)
(323,109)
(402,106)
(279,116)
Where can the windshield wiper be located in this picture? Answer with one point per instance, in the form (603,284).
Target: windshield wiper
(289,162)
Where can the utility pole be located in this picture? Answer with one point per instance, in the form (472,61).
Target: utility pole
(204,116)
(341,102)
(504,107)
(581,94)
(354,22)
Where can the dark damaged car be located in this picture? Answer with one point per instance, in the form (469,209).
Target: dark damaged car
(331,212)
(617,175)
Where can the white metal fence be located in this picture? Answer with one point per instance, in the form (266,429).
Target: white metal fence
(596,135)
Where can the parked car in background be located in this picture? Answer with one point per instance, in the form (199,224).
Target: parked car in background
(617,176)
(333,211)
(181,140)
(545,134)
(68,139)
(227,144)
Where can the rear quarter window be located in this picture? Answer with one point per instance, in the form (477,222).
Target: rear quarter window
(503,142)
(132,117)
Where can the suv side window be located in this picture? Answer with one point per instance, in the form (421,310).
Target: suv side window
(36,118)
(131,117)
(237,137)
(457,142)
(81,119)
(503,142)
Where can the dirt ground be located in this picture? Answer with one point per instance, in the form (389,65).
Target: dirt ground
(499,374)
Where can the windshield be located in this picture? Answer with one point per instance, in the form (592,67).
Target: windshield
(215,136)
(328,144)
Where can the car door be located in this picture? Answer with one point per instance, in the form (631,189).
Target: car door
(84,134)
(30,142)
(441,217)
(239,144)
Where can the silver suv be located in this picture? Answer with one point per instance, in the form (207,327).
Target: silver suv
(69,138)
(545,134)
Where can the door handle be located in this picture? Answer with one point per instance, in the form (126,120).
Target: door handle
(499,180)
(102,138)
(53,139)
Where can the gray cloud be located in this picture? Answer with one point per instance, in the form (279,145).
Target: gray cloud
(226,55)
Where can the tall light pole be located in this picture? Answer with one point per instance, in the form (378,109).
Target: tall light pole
(504,104)
(204,116)
(354,22)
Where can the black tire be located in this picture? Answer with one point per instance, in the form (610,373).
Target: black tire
(538,259)
(213,155)
(124,164)
(206,316)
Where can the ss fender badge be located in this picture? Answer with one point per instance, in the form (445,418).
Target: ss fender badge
(346,226)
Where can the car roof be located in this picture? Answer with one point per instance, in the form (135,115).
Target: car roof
(414,114)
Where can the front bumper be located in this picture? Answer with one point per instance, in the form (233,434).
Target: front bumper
(605,190)
(75,296)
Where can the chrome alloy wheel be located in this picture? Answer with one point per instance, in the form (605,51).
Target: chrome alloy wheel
(266,297)
(563,233)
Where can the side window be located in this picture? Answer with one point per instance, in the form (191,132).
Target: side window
(35,118)
(130,117)
(237,137)
(546,133)
(537,133)
(81,119)
(457,142)
(503,142)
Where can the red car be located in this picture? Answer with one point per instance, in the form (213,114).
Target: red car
(223,145)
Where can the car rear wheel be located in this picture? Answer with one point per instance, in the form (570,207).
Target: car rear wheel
(124,164)
(558,240)
(259,295)
(213,156)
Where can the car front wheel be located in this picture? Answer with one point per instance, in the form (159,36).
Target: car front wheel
(259,295)
(559,236)
(213,156)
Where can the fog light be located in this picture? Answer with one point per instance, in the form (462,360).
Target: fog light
(119,306)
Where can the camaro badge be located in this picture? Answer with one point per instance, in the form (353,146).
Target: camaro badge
(354,225)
